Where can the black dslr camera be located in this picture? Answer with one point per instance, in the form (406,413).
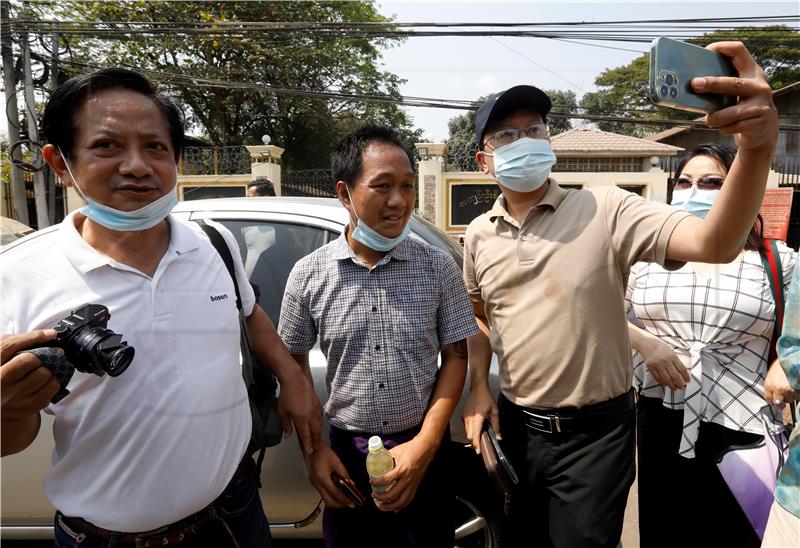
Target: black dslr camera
(88,347)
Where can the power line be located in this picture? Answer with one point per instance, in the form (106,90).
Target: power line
(304,25)
(593,31)
(423,102)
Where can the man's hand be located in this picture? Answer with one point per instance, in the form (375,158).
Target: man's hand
(321,465)
(411,461)
(777,390)
(480,406)
(298,404)
(754,120)
(25,389)
(662,362)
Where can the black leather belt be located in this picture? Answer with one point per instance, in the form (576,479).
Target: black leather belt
(572,419)
(175,533)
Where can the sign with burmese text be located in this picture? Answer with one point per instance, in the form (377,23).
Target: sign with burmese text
(775,209)
(468,200)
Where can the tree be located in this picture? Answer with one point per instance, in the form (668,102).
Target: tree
(624,91)
(462,145)
(776,48)
(304,59)
(564,102)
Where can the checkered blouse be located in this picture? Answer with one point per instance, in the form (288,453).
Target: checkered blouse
(381,328)
(720,328)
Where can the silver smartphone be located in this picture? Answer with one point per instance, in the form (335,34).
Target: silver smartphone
(673,64)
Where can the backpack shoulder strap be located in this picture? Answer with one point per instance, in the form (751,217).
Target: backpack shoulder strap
(771,260)
(224,252)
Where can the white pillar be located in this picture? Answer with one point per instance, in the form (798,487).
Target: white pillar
(431,180)
(266,162)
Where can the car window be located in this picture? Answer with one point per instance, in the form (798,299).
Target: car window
(437,238)
(269,251)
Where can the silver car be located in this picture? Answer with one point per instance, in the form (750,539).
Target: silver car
(294,228)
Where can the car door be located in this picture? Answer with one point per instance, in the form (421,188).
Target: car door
(270,245)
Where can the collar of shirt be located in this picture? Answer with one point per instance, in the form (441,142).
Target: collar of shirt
(552,198)
(85,258)
(342,250)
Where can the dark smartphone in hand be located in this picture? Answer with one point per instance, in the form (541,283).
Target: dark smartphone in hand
(349,489)
(673,64)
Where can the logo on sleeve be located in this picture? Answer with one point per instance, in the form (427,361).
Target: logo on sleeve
(219,297)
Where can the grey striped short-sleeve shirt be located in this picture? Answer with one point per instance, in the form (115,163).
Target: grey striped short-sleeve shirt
(381,329)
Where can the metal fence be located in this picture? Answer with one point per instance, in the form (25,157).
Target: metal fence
(789,169)
(308,182)
(230,160)
(461,155)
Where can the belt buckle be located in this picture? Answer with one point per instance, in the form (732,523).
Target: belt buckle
(543,423)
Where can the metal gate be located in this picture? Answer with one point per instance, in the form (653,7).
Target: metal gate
(318,183)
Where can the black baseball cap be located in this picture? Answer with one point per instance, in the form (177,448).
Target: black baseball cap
(502,104)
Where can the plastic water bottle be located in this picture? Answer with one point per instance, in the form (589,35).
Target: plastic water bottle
(379,462)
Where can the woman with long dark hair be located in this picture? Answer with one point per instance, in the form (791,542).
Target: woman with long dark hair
(702,369)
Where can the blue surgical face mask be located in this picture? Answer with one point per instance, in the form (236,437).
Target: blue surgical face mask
(523,165)
(373,239)
(695,201)
(125,221)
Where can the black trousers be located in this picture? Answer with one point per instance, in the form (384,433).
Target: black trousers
(427,522)
(677,494)
(573,485)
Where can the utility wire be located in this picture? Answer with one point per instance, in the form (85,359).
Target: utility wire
(424,102)
(303,25)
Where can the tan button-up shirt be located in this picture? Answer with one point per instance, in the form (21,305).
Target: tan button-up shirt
(554,290)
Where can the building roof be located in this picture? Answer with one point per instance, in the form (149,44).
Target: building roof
(661,135)
(586,141)
(787,89)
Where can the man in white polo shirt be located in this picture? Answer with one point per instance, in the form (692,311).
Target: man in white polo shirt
(156,455)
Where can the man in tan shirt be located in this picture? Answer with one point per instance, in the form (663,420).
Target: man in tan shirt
(546,269)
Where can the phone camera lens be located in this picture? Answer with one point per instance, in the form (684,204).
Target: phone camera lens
(670,79)
(673,92)
(665,91)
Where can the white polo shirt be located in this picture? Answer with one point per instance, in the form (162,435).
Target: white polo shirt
(162,440)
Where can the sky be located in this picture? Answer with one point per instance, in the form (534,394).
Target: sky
(469,67)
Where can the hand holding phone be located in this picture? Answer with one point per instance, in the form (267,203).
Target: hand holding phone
(753,118)
(349,489)
(673,65)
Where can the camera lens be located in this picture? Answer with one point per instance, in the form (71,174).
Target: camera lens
(673,92)
(665,91)
(120,361)
(99,350)
(670,79)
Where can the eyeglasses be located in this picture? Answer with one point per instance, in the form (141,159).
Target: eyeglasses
(507,136)
(709,182)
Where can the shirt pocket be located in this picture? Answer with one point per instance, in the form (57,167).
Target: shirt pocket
(414,329)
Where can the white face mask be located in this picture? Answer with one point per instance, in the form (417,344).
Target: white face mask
(695,201)
(371,238)
(523,165)
(125,221)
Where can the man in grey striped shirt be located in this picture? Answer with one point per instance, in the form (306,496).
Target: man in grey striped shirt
(384,307)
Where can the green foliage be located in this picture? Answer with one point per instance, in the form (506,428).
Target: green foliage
(623,91)
(776,48)
(315,61)
(462,144)
(564,101)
